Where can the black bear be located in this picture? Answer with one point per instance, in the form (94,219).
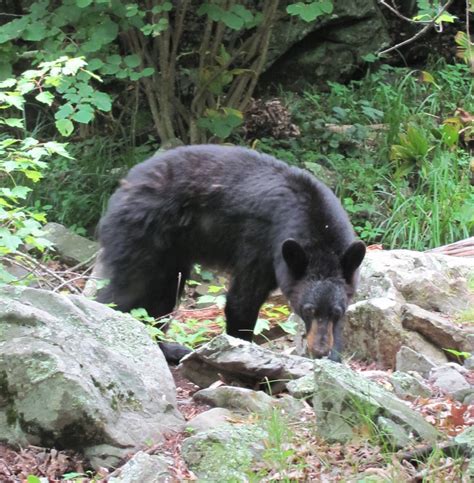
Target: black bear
(232,208)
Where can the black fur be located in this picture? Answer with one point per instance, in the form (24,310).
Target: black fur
(232,208)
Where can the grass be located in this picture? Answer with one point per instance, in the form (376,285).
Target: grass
(405,183)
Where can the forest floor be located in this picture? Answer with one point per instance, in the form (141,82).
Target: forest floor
(346,461)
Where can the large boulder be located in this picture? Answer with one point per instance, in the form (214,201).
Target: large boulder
(77,374)
(410,299)
(329,48)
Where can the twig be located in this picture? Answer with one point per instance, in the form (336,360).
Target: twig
(399,15)
(67,283)
(81,264)
(419,33)
(37,267)
(428,472)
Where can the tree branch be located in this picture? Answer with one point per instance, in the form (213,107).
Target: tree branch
(419,33)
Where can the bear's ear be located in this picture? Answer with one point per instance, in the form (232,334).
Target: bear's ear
(295,257)
(352,259)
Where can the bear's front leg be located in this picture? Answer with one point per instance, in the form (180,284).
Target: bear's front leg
(247,293)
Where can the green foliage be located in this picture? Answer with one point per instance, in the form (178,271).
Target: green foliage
(196,86)
(75,190)
(428,10)
(422,197)
(22,157)
(309,11)
(189,333)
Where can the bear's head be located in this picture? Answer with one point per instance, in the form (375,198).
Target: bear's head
(321,287)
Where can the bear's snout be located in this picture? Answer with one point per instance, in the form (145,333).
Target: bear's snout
(319,338)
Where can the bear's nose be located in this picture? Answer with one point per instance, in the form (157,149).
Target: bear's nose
(318,353)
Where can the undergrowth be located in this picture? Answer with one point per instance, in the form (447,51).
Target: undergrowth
(397,145)
(393,145)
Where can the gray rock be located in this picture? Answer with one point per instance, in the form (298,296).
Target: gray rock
(469,363)
(70,247)
(432,281)
(236,398)
(467,438)
(245,400)
(373,330)
(396,285)
(408,386)
(394,433)
(302,388)
(344,37)
(144,468)
(345,402)
(435,328)
(209,420)
(224,454)
(77,374)
(451,381)
(242,362)
(408,360)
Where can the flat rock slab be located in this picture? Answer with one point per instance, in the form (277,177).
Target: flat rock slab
(247,364)
(69,246)
(440,331)
(77,374)
(345,402)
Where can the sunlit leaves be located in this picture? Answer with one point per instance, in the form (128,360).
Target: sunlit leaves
(309,11)
(65,127)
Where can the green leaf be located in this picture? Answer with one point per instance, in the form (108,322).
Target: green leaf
(260,326)
(64,126)
(35,176)
(310,11)
(45,97)
(95,64)
(7,83)
(132,61)
(147,71)
(214,12)
(102,101)
(35,32)
(13,122)
(20,191)
(84,90)
(8,240)
(64,111)
(232,20)
(114,59)
(83,3)
(84,114)
(58,148)
(25,87)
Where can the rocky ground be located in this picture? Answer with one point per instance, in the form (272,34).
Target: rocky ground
(412,307)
